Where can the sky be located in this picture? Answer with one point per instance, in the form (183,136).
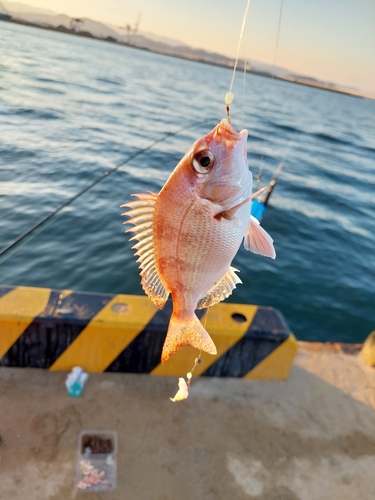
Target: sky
(332,40)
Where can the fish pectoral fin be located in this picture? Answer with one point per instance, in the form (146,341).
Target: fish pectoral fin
(142,213)
(221,290)
(257,240)
(183,332)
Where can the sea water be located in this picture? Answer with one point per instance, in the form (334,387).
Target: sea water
(72,108)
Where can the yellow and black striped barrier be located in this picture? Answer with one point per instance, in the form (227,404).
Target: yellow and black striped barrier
(59,329)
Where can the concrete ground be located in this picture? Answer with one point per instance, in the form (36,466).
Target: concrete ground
(309,438)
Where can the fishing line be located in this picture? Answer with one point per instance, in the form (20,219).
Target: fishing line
(205,318)
(189,375)
(5,252)
(32,234)
(278,32)
(278,37)
(244,80)
(229,95)
(239,44)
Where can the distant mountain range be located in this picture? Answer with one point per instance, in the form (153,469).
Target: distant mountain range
(26,14)
(48,18)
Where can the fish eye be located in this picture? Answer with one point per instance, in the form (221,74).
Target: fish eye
(204,161)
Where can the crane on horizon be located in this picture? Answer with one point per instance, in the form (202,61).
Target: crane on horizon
(131,32)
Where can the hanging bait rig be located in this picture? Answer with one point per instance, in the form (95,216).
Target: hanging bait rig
(228,99)
(183,386)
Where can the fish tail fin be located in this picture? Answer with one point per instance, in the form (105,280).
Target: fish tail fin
(183,332)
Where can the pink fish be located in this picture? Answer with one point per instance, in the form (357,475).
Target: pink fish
(190,232)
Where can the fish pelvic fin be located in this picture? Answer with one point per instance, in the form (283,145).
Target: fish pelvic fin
(183,332)
(257,240)
(141,216)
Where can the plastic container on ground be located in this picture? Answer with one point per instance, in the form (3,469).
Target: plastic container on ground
(75,381)
(96,468)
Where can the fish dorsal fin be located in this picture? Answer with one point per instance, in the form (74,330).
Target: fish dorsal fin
(142,213)
(221,290)
(257,240)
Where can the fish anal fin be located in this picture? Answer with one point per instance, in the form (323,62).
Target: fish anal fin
(221,290)
(187,331)
(257,240)
(142,213)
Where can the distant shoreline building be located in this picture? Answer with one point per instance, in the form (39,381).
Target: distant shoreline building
(4,14)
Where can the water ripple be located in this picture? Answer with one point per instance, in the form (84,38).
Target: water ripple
(73,108)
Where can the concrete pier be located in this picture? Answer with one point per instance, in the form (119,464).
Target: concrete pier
(311,437)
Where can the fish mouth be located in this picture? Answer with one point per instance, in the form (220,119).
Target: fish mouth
(225,131)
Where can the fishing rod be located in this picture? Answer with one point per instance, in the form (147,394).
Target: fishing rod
(258,207)
(49,217)
(272,184)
